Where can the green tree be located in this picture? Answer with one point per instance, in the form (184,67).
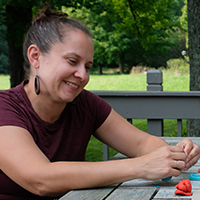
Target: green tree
(152,26)
(127,32)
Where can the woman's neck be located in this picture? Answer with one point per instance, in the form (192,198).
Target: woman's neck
(46,109)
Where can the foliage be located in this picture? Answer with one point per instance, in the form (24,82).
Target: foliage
(178,66)
(3,49)
(184,21)
(3,64)
(147,34)
(184,130)
(184,18)
(40,3)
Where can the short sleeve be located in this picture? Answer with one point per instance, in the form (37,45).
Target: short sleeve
(98,109)
(11,109)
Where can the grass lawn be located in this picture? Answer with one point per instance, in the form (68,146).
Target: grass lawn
(137,82)
(4,82)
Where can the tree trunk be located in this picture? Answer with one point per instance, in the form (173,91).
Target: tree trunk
(121,64)
(100,69)
(193,126)
(18,20)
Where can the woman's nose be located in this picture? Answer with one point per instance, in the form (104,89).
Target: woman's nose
(81,72)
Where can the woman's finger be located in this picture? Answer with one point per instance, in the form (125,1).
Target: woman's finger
(179,164)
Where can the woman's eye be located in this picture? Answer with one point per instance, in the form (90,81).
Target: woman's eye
(72,61)
(88,68)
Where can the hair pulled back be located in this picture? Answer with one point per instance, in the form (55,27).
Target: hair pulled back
(48,27)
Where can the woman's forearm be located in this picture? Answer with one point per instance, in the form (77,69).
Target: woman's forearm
(60,177)
(151,143)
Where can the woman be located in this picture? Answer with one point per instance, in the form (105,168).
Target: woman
(47,120)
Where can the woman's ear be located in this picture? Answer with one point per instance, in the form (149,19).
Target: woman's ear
(33,54)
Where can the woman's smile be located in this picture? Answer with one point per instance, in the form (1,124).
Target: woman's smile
(72,85)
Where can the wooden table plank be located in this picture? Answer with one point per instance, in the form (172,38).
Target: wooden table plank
(130,193)
(175,140)
(196,195)
(168,194)
(87,194)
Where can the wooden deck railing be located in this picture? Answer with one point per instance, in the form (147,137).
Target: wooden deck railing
(153,105)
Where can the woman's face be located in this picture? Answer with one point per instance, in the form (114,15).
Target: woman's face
(64,71)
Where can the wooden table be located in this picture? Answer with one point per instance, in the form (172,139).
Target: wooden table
(140,189)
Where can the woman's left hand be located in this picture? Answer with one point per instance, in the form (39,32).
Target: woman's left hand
(191,150)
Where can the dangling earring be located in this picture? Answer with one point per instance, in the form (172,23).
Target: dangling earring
(37,84)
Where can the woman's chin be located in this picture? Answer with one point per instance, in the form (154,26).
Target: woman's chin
(68,99)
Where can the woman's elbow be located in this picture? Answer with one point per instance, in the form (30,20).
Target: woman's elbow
(44,190)
(44,187)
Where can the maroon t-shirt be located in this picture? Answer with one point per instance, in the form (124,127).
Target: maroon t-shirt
(64,140)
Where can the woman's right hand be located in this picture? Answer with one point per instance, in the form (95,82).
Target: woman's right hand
(163,162)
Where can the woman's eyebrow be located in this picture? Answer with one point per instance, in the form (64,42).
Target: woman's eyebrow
(90,62)
(76,55)
(72,54)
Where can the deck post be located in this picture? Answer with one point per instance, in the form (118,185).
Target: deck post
(154,81)
(105,152)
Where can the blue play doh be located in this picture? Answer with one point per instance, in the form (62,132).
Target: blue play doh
(166,179)
(194,177)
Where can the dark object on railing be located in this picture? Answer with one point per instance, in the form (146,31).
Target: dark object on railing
(154,80)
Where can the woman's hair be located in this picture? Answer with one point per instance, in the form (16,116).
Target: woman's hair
(48,27)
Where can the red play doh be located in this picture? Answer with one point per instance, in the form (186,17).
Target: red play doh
(184,187)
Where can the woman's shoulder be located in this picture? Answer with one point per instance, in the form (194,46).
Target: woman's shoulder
(88,104)
(89,96)
(14,99)
(93,102)
(12,91)
(14,106)
(86,93)
(12,94)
